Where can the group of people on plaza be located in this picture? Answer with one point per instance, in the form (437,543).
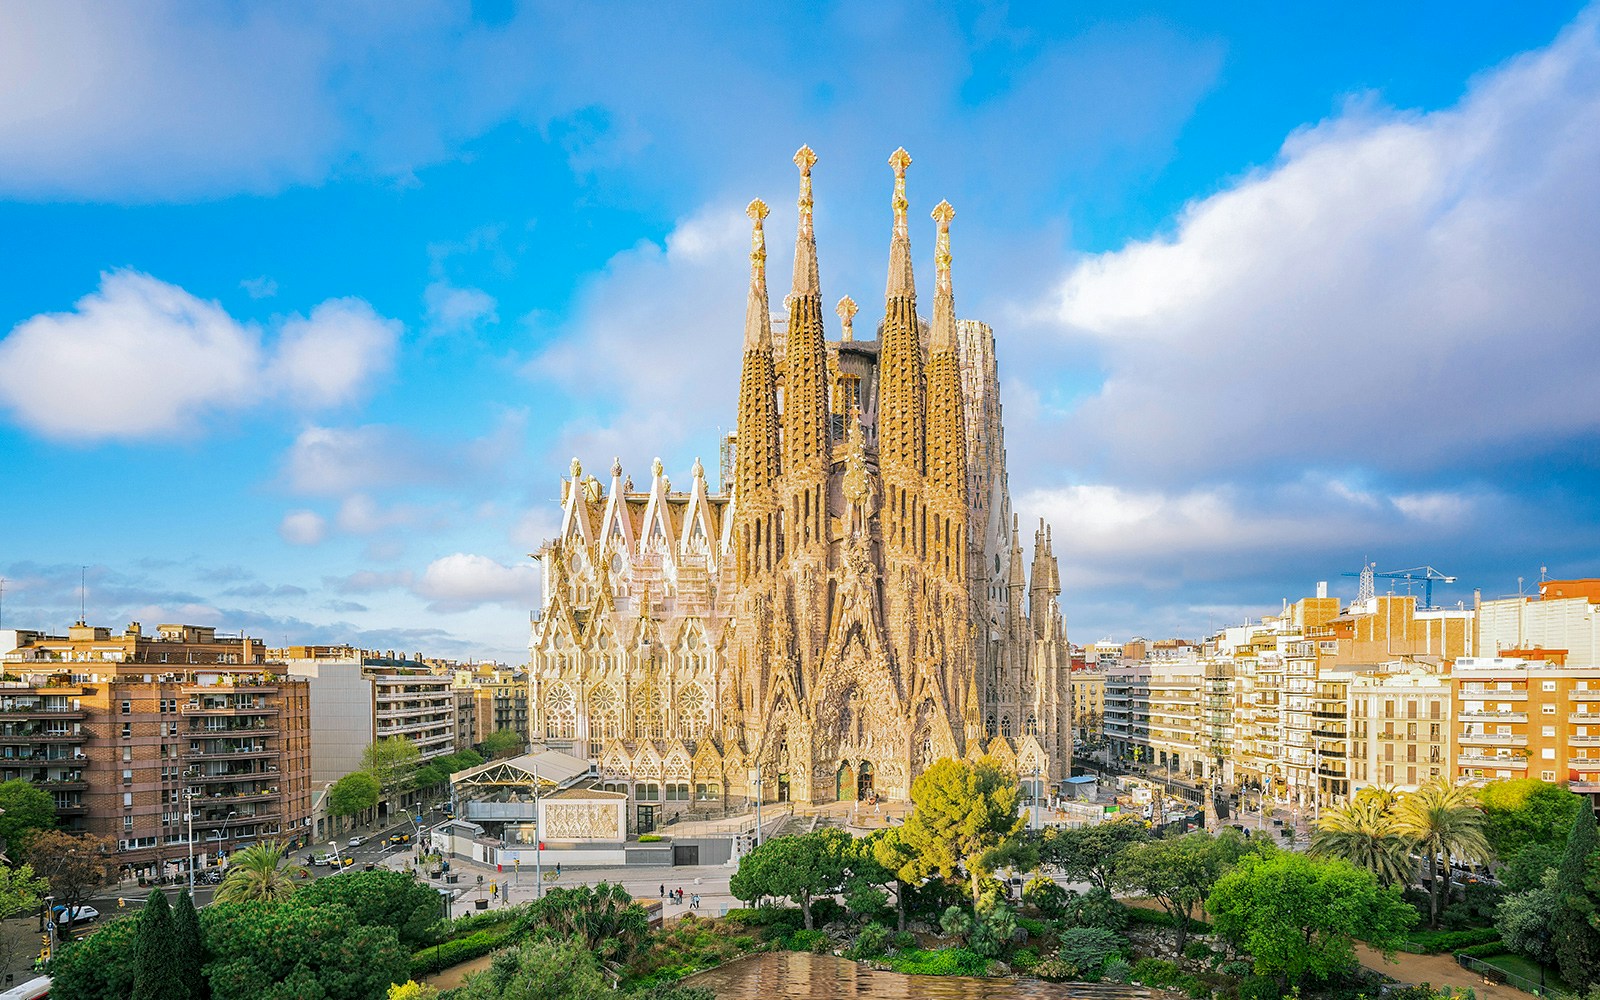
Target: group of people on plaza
(676,896)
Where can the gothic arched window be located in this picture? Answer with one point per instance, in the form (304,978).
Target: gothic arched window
(694,712)
(560,713)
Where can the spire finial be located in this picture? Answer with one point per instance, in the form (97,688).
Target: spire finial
(942,214)
(616,467)
(804,158)
(900,160)
(577,469)
(757,210)
(847,314)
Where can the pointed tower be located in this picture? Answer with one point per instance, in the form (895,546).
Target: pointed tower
(901,388)
(946,422)
(805,388)
(756,462)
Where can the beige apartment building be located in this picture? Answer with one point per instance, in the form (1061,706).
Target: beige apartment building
(132,733)
(1089,704)
(360,696)
(1400,727)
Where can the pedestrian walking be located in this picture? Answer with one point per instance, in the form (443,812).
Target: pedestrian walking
(663,890)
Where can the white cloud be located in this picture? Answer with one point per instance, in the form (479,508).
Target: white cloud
(656,342)
(303,527)
(341,461)
(262,287)
(1394,293)
(140,358)
(461,581)
(457,310)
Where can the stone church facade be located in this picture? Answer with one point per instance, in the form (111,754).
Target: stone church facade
(852,605)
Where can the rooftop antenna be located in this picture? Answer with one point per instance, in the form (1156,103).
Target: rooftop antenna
(83,595)
(1544,573)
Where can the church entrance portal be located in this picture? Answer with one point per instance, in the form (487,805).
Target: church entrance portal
(843,782)
(783,788)
(864,781)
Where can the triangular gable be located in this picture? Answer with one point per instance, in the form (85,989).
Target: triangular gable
(646,761)
(707,761)
(699,530)
(575,522)
(616,527)
(677,764)
(1001,751)
(1031,757)
(616,762)
(658,532)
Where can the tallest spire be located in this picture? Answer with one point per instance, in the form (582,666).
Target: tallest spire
(901,282)
(944,313)
(805,241)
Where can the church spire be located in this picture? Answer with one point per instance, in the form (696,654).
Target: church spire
(757,316)
(946,422)
(805,385)
(901,282)
(944,309)
(805,240)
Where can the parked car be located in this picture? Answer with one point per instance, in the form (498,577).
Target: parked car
(356,841)
(79,915)
(324,859)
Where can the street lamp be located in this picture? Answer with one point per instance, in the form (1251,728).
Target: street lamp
(338,862)
(755,779)
(188,795)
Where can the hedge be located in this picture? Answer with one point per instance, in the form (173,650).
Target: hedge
(1435,942)
(1488,950)
(944,962)
(1161,918)
(441,956)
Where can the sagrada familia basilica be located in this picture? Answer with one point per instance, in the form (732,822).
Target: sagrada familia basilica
(853,606)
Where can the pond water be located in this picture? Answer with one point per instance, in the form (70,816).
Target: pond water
(790,975)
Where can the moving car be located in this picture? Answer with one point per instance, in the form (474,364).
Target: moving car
(356,841)
(324,859)
(79,914)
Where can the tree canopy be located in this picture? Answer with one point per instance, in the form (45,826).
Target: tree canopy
(1090,853)
(964,818)
(1519,812)
(155,955)
(539,970)
(1298,916)
(260,872)
(393,762)
(1179,872)
(391,898)
(800,867)
(28,809)
(1364,833)
(20,890)
(354,793)
(503,743)
(75,865)
(265,951)
(1444,824)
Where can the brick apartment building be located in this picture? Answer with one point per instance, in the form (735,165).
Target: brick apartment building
(127,731)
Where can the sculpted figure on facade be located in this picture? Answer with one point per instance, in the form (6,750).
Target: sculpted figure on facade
(849,606)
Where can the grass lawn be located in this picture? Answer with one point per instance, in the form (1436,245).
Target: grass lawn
(1516,965)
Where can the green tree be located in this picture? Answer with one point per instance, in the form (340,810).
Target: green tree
(155,955)
(20,890)
(1575,936)
(75,865)
(1090,853)
(964,820)
(263,951)
(503,743)
(1525,919)
(1520,812)
(1087,948)
(1298,916)
(392,762)
(893,855)
(539,970)
(191,948)
(1364,833)
(100,967)
(27,809)
(411,990)
(378,898)
(1177,872)
(604,918)
(1444,824)
(800,867)
(354,793)
(260,873)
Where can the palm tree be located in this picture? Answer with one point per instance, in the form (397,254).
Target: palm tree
(1443,823)
(1364,833)
(260,873)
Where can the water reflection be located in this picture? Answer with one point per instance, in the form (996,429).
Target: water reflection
(801,976)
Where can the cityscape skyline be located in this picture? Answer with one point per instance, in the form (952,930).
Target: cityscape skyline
(315,380)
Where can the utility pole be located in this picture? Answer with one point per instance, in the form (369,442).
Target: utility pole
(188,796)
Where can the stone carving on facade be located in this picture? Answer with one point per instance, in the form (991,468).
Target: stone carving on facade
(582,821)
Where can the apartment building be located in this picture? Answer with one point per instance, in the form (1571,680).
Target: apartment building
(142,738)
(361,696)
(1564,618)
(1519,718)
(1088,704)
(1177,725)
(1400,720)
(1127,711)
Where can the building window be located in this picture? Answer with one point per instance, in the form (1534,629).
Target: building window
(1548,753)
(127,730)
(677,791)
(647,791)
(1547,709)
(127,800)
(127,823)
(707,792)
(127,776)
(1547,686)
(1547,775)
(1549,730)
(127,707)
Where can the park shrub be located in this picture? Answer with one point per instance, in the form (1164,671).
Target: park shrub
(904,939)
(826,911)
(1116,970)
(1142,916)
(1035,927)
(1196,951)
(650,838)
(1160,972)
(870,942)
(1097,908)
(1088,948)
(804,940)
(1426,942)
(1025,958)
(1046,897)
(1258,988)
(944,962)
(1056,971)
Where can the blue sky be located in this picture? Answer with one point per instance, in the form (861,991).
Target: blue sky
(305,311)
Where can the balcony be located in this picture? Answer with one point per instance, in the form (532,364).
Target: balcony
(1583,696)
(1494,739)
(1584,763)
(41,712)
(1584,741)
(1495,716)
(240,819)
(230,753)
(224,711)
(1468,694)
(42,736)
(1584,718)
(1482,760)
